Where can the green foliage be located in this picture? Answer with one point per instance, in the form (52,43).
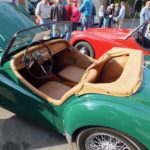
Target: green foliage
(131,2)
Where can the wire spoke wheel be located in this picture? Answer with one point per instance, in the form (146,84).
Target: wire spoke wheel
(100,138)
(102,141)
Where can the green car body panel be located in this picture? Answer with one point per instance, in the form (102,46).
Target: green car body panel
(130,115)
(17,19)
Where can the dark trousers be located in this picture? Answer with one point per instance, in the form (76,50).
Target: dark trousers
(109,22)
(101,20)
(85,22)
(74,26)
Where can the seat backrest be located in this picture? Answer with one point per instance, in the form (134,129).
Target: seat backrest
(112,70)
(93,71)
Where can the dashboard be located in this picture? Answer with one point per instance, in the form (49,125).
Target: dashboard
(56,46)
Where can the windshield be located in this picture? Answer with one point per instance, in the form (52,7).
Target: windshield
(37,33)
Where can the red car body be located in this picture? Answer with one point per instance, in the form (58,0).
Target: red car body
(102,40)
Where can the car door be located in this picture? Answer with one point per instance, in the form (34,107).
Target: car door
(18,99)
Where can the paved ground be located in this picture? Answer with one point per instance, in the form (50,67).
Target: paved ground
(17,134)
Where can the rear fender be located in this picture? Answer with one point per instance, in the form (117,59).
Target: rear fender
(108,114)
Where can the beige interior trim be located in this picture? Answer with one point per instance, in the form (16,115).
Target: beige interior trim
(126,84)
(129,81)
(16,64)
(93,70)
(71,92)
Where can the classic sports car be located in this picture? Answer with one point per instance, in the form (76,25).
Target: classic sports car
(101,104)
(95,41)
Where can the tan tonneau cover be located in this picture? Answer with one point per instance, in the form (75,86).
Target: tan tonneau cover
(129,81)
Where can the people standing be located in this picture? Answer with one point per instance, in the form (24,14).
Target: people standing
(145,13)
(121,15)
(42,12)
(101,16)
(106,17)
(115,15)
(110,12)
(75,18)
(69,10)
(58,11)
(93,15)
(86,13)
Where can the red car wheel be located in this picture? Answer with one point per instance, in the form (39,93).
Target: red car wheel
(85,48)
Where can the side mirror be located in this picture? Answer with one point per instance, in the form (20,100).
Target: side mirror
(138,5)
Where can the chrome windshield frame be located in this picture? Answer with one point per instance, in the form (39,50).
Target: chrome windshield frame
(12,40)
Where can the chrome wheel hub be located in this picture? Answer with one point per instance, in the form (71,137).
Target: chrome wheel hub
(103,141)
(83,50)
(108,146)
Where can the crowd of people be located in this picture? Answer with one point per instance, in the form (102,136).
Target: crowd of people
(72,11)
(84,12)
(114,14)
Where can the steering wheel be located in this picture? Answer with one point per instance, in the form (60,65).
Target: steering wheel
(39,63)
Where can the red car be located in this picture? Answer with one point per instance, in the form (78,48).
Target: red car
(95,41)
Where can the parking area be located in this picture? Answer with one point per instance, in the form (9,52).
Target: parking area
(18,134)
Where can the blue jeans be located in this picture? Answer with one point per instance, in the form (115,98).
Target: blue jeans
(85,22)
(67,33)
(105,24)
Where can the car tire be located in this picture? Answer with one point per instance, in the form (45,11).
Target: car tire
(85,48)
(99,138)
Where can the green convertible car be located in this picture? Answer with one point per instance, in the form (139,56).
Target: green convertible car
(100,104)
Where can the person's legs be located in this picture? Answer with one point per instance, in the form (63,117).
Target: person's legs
(84,22)
(68,32)
(101,20)
(74,26)
(91,24)
(109,22)
(106,23)
(120,23)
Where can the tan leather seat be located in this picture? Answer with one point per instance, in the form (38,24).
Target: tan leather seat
(113,69)
(72,73)
(54,89)
(77,74)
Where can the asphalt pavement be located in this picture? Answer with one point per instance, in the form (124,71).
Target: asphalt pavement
(18,134)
